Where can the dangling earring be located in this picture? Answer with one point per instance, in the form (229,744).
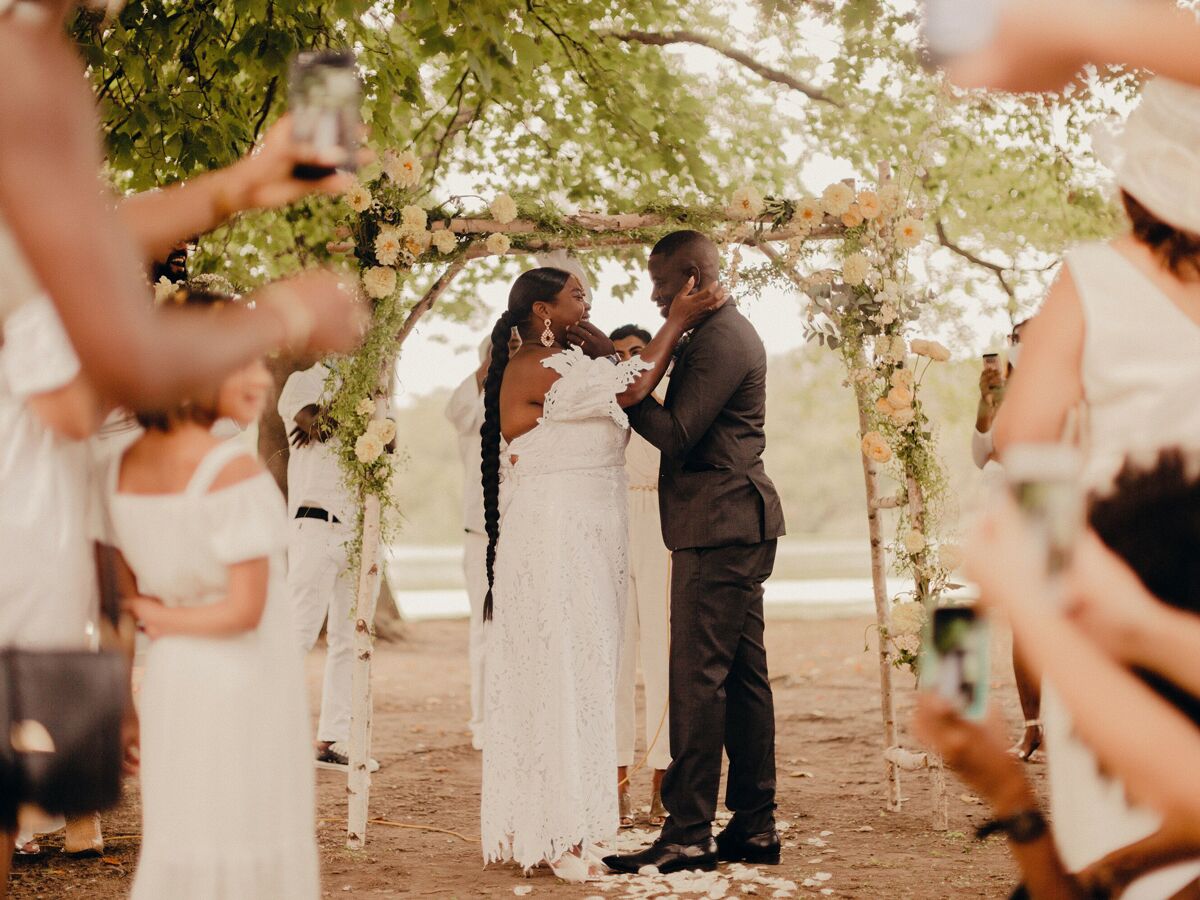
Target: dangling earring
(547,336)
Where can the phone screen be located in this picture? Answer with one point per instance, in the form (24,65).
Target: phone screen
(954,662)
(324,98)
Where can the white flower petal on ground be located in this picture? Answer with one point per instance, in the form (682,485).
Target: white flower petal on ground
(503,209)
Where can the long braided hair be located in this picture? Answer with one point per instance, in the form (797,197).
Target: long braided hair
(542,284)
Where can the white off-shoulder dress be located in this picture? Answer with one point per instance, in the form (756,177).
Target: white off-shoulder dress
(226,770)
(554,641)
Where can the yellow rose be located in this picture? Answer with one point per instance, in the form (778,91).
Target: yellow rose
(852,217)
(875,447)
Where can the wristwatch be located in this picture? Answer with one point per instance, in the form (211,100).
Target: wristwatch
(1024,827)
(614,358)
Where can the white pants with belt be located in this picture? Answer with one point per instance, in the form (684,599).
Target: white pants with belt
(322,589)
(647,622)
(475,573)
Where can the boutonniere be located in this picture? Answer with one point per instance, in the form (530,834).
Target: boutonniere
(681,346)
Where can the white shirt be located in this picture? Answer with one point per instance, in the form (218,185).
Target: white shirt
(314,476)
(47,584)
(465,412)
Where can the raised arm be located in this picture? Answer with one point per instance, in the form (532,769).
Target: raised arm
(1048,384)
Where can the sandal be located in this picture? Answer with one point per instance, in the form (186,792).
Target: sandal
(625,802)
(658,812)
(1019,749)
(29,849)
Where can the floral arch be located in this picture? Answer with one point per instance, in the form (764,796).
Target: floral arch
(864,308)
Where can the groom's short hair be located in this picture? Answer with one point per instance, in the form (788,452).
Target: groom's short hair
(698,249)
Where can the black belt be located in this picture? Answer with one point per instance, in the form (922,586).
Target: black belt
(315,512)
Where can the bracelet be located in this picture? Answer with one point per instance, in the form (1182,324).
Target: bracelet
(1024,827)
(297,319)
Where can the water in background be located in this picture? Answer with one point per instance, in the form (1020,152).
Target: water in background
(813,580)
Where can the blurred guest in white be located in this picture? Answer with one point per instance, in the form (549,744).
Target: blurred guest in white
(319,582)
(647,614)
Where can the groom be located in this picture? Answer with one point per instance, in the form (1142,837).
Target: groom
(721,517)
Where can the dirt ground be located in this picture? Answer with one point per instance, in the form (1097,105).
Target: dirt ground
(830,789)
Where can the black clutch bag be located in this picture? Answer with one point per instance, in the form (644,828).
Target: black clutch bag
(60,728)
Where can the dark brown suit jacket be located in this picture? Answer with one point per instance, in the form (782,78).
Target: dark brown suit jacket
(713,488)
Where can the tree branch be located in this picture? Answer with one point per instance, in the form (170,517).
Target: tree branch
(970,257)
(662,39)
(426,303)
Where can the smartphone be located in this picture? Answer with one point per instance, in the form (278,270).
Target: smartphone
(954,27)
(324,96)
(954,659)
(1044,480)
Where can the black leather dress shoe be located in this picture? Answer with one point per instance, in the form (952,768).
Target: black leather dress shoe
(667,858)
(756,849)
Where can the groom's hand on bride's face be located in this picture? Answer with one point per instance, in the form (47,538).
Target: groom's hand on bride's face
(592,340)
(690,308)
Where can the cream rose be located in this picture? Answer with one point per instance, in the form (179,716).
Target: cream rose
(887,314)
(387,247)
(889,198)
(413,218)
(914,541)
(368,448)
(950,556)
(384,429)
(809,213)
(403,168)
(445,241)
(869,206)
(900,397)
(837,198)
(875,447)
(908,618)
(883,407)
(855,269)
(852,218)
(503,209)
(903,378)
(746,203)
(379,282)
(903,416)
(365,407)
(931,349)
(358,197)
(498,243)
(909,232)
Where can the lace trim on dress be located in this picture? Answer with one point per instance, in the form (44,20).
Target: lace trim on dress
(589,387)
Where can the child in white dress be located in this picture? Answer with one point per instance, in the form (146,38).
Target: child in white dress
(227,779)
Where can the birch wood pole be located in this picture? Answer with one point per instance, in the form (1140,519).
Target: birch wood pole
(358,780)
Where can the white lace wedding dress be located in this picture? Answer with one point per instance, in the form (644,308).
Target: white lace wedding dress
(549,759)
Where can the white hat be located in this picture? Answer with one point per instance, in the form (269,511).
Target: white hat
(1155,154)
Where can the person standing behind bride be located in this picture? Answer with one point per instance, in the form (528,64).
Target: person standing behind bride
(556,517)
(227,782)
(647,613)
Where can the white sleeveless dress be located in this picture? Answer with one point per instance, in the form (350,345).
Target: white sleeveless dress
(1141,369)
(553,645)
(226,772)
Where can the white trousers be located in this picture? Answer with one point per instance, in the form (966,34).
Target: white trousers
(647,624)
(322,589)
(475,574)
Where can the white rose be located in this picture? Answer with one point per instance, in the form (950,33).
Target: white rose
(503,209)
(379,282)
(909,232)
(358,197)
(387,247)
(889,198)
(746,203)
(908,618)
(837,199)
(914,541)
(413,218)
(498,243)
(365,407)
(950,556)
(809,213)
(854,269)
(875,447)
(384,429)
(403,168)
(368,448)
(868,205)
(444,241)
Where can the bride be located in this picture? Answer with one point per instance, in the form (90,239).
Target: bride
(557,568)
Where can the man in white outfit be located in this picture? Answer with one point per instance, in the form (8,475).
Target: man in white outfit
(319,583)
(647,613)
(465,412)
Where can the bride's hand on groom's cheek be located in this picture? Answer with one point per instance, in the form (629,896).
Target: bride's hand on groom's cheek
(690,309)
(594,342)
